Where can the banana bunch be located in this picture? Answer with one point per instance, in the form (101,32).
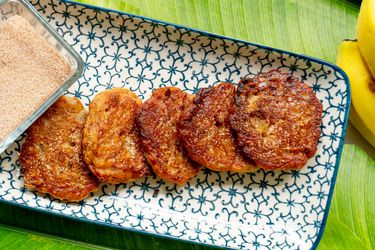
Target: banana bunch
(357,59)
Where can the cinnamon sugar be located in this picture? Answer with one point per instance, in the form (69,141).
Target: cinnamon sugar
(31,70)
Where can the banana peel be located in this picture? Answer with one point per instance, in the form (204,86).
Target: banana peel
(361,127)
(362,113)
(357,59)
(366,33)
(363,98)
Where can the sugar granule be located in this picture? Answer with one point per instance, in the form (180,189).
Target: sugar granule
(31,70)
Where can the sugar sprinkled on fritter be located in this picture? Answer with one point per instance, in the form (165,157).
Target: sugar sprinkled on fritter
(51,157)
(277,120)
(157,120)
(206,134)
(111,142)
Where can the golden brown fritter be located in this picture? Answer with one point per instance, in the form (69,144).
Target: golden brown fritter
(51,157)
(277,120)
(111,142)
(205,130)
(157,120)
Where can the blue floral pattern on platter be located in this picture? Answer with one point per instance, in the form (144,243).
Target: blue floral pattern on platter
(261,210)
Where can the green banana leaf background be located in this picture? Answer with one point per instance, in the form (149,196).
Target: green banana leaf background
(312,27)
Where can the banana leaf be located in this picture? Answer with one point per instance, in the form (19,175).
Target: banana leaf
(312,27)
(14,238)
(351,222)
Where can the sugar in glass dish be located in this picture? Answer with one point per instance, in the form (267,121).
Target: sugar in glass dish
(36,67)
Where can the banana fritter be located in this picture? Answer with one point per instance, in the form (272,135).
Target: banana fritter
(205,130)
(277,120)
(51,157)
(111,142)
(157,120)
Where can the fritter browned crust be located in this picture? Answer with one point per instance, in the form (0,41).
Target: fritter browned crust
(111,142)
(205,131)
(277,120)
(157,120)
(51,157)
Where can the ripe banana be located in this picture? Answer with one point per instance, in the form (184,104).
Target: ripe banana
(366,33)
(362,113)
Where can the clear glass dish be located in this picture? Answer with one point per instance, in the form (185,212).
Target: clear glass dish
(24,9)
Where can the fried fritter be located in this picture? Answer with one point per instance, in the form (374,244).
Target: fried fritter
(111,142)
(205,130)
(277,120)
(51,157)
(157,120)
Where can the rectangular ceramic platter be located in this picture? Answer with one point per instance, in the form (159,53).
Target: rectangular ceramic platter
(263,210)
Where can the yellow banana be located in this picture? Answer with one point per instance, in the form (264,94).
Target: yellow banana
(362,85)
(361,127)
(366,33)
